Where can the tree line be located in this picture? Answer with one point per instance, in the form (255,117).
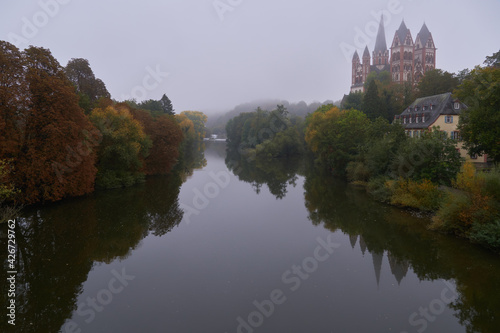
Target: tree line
(61,135)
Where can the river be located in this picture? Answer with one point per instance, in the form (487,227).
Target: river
(228,244)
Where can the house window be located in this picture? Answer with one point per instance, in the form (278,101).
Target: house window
(473,157)
(448,119)
(455,135)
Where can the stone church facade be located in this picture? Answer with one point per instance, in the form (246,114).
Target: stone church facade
(407,60)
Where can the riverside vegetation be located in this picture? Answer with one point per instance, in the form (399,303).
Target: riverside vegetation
(424,173)
(62,136)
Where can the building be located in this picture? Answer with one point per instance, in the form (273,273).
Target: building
(408,60)
(439,110)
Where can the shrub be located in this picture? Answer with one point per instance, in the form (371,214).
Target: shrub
(423,195)
(381,188)
(487,234)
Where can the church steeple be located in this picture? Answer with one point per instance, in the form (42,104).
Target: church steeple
(380,44)
(380,53)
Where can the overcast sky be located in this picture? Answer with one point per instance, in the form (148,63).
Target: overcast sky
(221,53)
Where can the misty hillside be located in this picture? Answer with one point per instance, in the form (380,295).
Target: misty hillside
(217,123)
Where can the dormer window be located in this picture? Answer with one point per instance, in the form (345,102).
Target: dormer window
(424,108)
(456,106)
(409,119)
(431,106)
(404,120)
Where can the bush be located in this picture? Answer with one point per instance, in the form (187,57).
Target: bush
(473,210)
(357,172)
(381,188)
(423,195)
(487,234)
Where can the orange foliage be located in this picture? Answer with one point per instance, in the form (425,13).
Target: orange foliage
(46,132)
(166,136)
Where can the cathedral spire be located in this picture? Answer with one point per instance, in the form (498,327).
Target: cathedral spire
(380,44)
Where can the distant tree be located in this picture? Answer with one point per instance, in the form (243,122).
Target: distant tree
(436,82)
(89,88)
(123,148)
(336,136)
(479,124)
(199,119)
(166,137)
(353,101)
(493,60)
(383,80)
(373,105)
(151,105)
(166,105)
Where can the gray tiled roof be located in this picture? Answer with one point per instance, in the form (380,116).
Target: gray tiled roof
(355,56)
(366,54)
(424,34)
(401,32)
(442,104)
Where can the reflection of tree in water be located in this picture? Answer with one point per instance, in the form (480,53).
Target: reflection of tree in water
(277,174)
(58,245)
(192,158)
(384,230)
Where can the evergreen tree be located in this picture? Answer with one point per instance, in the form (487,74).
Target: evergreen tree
(166,105)
(373,105)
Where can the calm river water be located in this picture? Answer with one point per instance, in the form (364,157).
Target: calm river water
(231,245)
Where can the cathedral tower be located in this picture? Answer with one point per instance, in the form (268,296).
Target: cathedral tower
(380,53)
(402,51)
(425,53)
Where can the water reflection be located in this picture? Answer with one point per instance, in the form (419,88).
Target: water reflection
(381,231)
(277,174)
(58,245)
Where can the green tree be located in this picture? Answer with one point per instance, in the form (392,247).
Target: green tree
(89,88)
(436,82)
(336,136)
(166,105)
(373,105)
(123,148)
(199,119)
(479,124)
(493,60)
(434,157)
(353,101)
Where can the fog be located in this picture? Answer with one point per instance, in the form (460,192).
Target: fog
(211,55)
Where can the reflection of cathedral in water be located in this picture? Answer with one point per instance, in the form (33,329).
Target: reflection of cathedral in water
(399,267)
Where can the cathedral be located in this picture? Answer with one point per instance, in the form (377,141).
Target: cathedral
(408,60)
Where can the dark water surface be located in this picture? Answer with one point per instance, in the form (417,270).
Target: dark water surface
(230,245)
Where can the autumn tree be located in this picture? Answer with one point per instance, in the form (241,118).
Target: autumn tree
(123,148)
(166,137)
(199,119)
(47,136)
